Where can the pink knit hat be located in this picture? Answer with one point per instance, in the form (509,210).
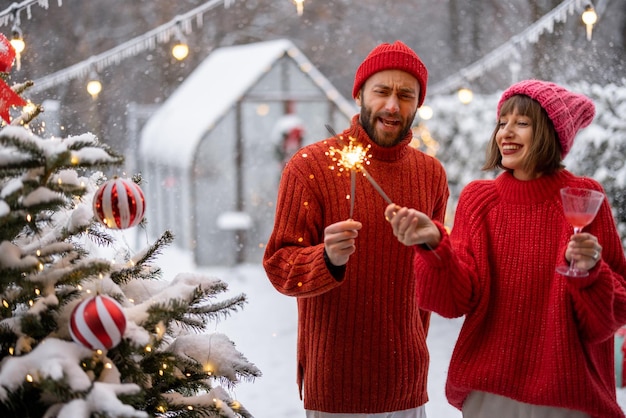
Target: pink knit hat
(569,112)
(392,57)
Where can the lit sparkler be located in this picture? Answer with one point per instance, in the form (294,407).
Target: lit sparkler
(354,157)
(351,157)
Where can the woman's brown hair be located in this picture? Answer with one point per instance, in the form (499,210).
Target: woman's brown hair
(545,148)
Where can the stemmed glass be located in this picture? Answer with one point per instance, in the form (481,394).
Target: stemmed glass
(580,207)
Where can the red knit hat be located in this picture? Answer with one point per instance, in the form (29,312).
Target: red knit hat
(569,112)
(392,57)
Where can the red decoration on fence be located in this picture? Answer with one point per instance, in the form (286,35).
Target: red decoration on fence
(7,54)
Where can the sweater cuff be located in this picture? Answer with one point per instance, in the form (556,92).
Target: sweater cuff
(338,272)
(434,253)
(583,282)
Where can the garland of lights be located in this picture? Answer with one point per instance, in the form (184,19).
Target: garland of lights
(509,49)
(135,46)
(163,33)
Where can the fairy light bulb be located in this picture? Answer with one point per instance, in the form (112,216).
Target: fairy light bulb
(30,107)
(299,6)
(425,112)
(18,44)
(465,95)
(180,51)
(589,17)
(94,87)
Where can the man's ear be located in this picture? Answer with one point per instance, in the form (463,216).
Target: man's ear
(357,99)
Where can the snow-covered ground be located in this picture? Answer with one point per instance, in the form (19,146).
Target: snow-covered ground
(265,332)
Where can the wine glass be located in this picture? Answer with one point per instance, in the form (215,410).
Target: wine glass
(580,207)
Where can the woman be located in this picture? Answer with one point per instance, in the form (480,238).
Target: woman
(534,343)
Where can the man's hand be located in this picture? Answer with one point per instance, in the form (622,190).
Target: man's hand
(340,241)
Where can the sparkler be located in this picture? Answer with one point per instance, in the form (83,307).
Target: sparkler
(353,156)
(349,157)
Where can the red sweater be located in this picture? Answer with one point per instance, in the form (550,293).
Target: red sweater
(529,333)
(361,337)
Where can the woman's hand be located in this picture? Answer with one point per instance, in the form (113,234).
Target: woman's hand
(584,250)
(412,227)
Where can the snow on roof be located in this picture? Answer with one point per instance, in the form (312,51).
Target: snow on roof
(172,134)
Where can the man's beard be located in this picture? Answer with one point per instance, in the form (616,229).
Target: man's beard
(367,123)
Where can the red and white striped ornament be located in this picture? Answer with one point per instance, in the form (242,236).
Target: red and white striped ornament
(119,203)
(98,323)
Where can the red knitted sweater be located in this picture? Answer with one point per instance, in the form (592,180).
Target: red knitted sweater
(529,333)
(361,337)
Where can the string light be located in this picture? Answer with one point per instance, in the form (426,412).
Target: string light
(130,48)
(208,368)
(299,6)
(17,41)
(94,86)
(425,112)
(504,52)
(589,18)
(465,95)
(180,50)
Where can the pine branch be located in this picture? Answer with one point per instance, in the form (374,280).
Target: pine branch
(137,268)
(221,309)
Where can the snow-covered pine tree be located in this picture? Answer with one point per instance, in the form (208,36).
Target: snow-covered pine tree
(166,363)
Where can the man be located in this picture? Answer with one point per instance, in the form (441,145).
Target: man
(361,337)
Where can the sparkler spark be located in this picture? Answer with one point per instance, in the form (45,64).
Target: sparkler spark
(351,157)
(354,157)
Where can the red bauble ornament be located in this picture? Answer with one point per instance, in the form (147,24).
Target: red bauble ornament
(7,54)
(98,323)
(119,204)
